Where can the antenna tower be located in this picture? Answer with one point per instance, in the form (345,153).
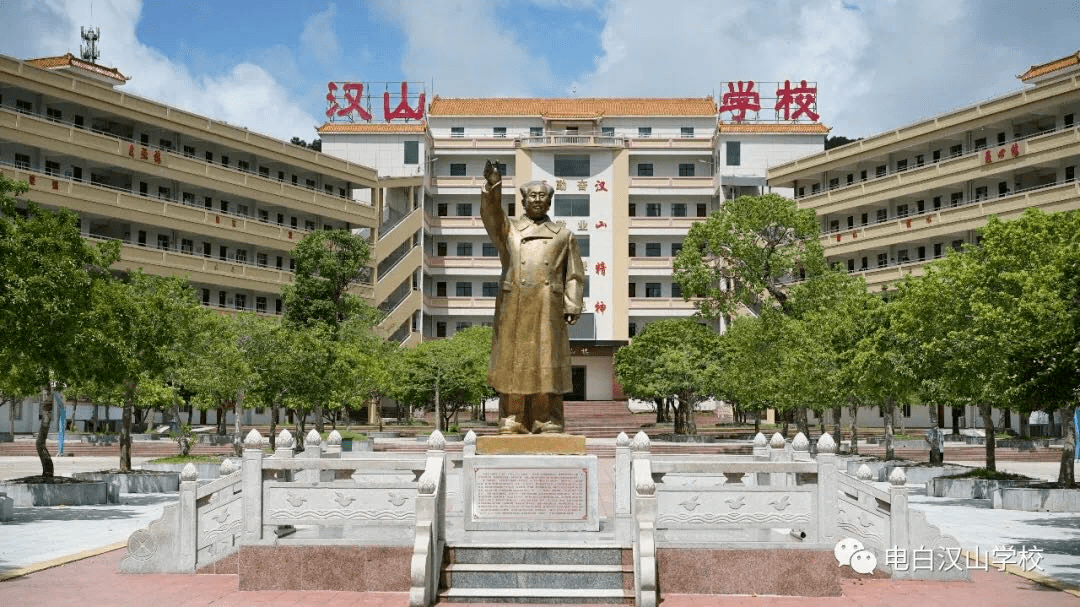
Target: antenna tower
(90,50)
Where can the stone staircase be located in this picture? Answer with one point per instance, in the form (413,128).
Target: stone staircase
(537,574)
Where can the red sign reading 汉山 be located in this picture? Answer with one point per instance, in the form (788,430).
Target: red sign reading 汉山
(791,103)
(349,101)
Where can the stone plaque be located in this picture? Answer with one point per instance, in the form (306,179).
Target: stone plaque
(531,493)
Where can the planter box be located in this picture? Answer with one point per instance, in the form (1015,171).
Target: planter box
(61,494)
(916,474)
(384,434)
(142,481)
(1036,499)
(206,471)
(968,488)
(351,444)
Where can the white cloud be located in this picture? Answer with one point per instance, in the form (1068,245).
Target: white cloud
(462,45)
(319,40)
(245,95)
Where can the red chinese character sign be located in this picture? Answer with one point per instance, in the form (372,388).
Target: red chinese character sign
(790,102)
(351,101)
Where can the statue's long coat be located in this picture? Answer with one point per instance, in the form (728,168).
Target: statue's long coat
(542,278)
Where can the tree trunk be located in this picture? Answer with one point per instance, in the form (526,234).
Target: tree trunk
(937,457)
(1051,431)
(802,421)
(660,417)
(854,408)
(1025,423)
(43,432)
(274,413)
(988,428)
(1067,472)
(238,407)
(438,406)
(1006,420)
(125,426)
(11,414)
(837,414)
(890,409)
(221,420)
(757,422)
(319,425)
(956,421)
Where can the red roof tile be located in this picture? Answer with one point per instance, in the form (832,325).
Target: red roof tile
(1051,66)
(69,60)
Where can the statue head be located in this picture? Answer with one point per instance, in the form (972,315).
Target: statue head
(536,198)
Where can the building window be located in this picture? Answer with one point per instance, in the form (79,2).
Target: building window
(163,242)
(264,172)
(462,325)
(1068,120)
(920,206)
(457,169)
(937,250)
(457,131)
(956,199)
(815,188)
(498,131)
(901,210)
(463,289)
(583,245)
(572,206)
(260,304)
(632,289)
(678,209)
(956,150)
(676,290)
(652,249)
(957,244)
(981,192)
(675,248)
(607,131)
(937,202)
(850,265)
(1070,174)
(52,167)
(980,143)
(187,246)
(412,152)
(207,249)
(652,209)
(464,249)
(882,260)
(702,209)
(54,114)
(652,289)
(440,249)
(260,260)
(902,256)
(881,170)
(440,289)
(921,253)
(205,297)
(850,221)
(631,329)
(277,306)
(733,151)
(686,131)
(644,169)
(488,250)
(464,209)
(24,107)
(536,131)
(241,256)
(834,225)
(279,262)
(686,169)
(644,131)
(834,183)
(442,209)
(440,328)
(632,247)
(223,253)
(572,165)
(309,225)
(490,289)
(850,178)
(240,303)
(901,165)
(221,299)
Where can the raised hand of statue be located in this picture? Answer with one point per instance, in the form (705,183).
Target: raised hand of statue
(491,174)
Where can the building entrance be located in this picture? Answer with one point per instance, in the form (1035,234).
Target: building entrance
(577,376)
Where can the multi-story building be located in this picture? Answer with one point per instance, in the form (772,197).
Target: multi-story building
(892,202)
(184,194)
(631,176)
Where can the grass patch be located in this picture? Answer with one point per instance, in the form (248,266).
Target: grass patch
(991,475)
(185,459)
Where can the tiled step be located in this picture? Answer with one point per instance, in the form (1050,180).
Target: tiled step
(537,595)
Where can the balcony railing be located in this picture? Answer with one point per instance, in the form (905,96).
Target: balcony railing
(572,140)
(172,152)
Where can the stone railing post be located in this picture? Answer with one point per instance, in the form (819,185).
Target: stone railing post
(623,484)
(898,509)
(827,487)
(426,564)
(332,449)
(761,446)
(778,453)
(800,448)
(251,485)
(644,517)
(189,518)
(469,448)
(312,451)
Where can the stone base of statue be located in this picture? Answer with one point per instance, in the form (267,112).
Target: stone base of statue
(531,483)
(530,444)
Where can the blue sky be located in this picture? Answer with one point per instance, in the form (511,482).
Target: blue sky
(879,64)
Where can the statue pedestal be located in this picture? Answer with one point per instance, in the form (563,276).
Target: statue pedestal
(531,492)
(530,444)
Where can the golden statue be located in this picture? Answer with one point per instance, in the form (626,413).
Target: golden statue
(540,295)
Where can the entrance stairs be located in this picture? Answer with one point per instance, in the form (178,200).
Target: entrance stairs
(555,573)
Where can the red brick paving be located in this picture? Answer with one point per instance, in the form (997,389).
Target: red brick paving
(96,581)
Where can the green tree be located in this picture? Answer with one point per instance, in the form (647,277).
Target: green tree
(328,263)
(446,374)
(746,253)
(680,360)
(47,281)
(142,329)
